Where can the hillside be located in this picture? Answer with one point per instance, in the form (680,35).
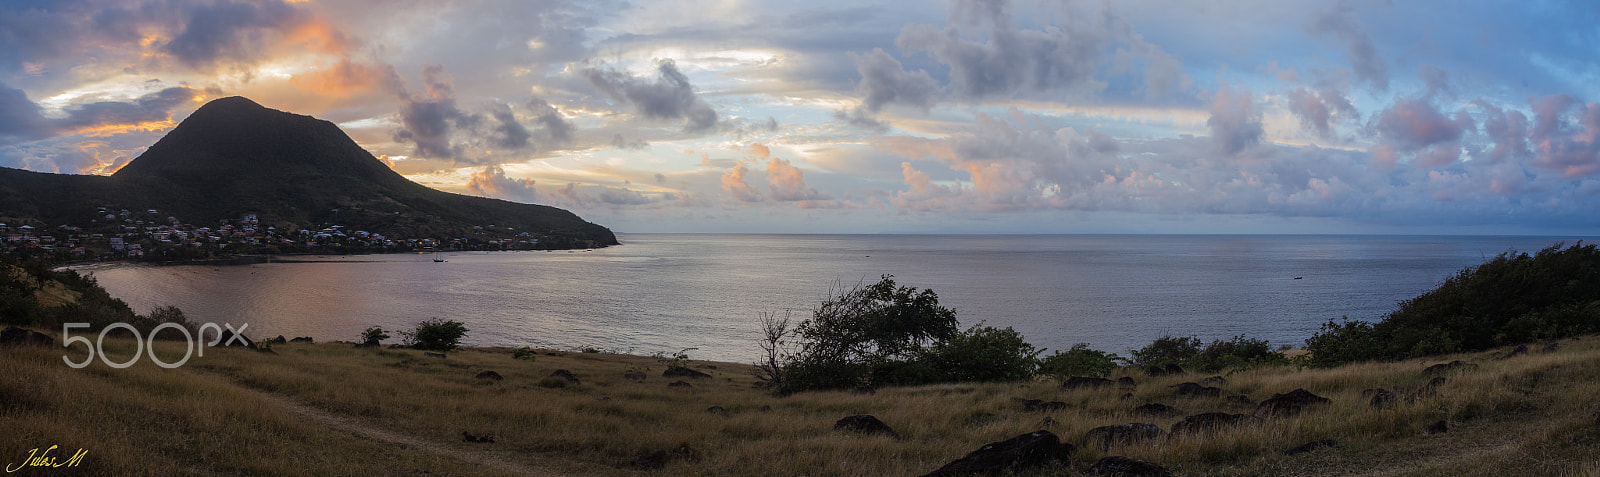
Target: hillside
(234,157)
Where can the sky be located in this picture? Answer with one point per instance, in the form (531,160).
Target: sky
(969,116)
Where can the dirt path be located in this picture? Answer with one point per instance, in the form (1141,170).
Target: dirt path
(405,440)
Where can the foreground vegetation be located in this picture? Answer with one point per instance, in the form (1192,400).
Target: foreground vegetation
(338,409)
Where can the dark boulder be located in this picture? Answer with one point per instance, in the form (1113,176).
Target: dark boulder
(1079,382)
(716,410)
(1214,381)
(478,438)
(1427,390)
(651,460)
(1126,382)
(489,375)
(1439,427)
(679,384)
(431,354)
(1519,350)
(1124,467)
(279,340)
(303,339)
(634,375)
(1444,368)
(1288,404)
(1211,422)
(232,338)
(1381,398)
(1310,446)
(1551,347)
(567,375)
(1157,409)
(864,424)
(1018,454)
(1195,389)
(14,336)
(1120,434)
(682,372)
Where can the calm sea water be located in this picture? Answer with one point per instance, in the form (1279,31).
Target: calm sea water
(663,292)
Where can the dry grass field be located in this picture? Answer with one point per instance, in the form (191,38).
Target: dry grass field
(334,409)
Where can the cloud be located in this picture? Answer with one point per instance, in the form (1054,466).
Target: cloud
(860,118)
(733,181)
(1509,131)
(1235,123)
(1318,111)
(1012,59)
(23,120)
(885,81)
(788,183)
(1561,145)
(348,78)
(426,118)
(668,97)
(492,182)
(1414,126)
(620,142)
(1369,66)
(554,129)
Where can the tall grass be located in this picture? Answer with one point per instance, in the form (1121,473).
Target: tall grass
(1531,414)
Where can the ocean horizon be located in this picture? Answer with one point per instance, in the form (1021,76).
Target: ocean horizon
(666,292)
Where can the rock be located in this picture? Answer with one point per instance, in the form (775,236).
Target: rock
(634,375)
(1211,422)
(1520,349)
(1168,370)
(303,339)
(567,375)
(651,461)
(1017,454)
(1126,381)
(679,384)
(1551,347)
(864,424)
(1427,390)
(1288,404)
(1310,446)
(1240,399)
(1078,382)
(1381,398)
(14,336)
(680,371)
(1440,427)
(1457,365)
(864,391)
(1118,434)
(1157,409)
(279,340)
(1214,381)
(1125,467)
(479,438)
(1195,389)
(716,410)
(1031,405)
(490,375)
(433,354)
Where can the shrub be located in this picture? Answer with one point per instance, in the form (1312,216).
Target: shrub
(982,353)
(435,334)
(373,336)
(1239,352)
(523,353)
(1079,361)
(1167,350)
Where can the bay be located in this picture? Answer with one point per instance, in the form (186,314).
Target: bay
(665,292)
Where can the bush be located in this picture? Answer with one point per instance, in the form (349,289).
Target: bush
(373,336)
(982,353)
(882,334)
(523,353)
(1167,350)
(435,334)
(1239,352)
(1079,361)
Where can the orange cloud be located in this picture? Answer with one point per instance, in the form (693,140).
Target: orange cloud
(103,130)
(317,35)
(346,79)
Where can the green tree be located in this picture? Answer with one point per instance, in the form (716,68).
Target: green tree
(435,334)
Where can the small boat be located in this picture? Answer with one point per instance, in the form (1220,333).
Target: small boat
(436,258)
